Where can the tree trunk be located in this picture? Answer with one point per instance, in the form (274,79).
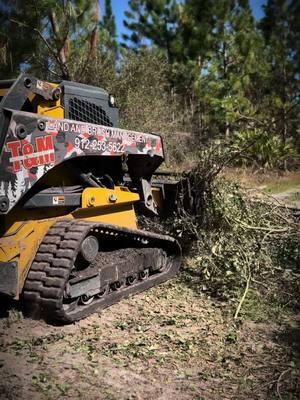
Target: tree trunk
(63,51)
(94,35)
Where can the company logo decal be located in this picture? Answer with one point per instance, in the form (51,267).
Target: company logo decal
(28,155)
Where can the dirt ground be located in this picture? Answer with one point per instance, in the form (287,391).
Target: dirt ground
(171,342)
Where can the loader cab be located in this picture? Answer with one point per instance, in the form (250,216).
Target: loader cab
(77,102)
(89,104)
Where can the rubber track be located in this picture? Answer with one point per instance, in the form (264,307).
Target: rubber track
(45,284)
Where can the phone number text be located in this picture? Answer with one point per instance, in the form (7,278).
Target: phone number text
(98,145)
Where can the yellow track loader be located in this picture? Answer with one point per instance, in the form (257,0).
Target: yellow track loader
(70,184)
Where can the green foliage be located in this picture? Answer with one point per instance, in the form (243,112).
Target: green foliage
(229,74)
(203,68)
(55,39)
(143,96)
(141,91)
(109,33)
(282,54)
(155,21)
(264,149)
(17,44)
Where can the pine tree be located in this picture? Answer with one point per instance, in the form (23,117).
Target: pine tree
(109,31)
(226,67)
(73,34)
(197,25)
(134,22)
(17,44)
(282,38)
(10,193)
(154,22)
(109,22)
(51,38)
(19,185)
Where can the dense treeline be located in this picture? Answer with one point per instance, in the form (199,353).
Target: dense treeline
(200,71)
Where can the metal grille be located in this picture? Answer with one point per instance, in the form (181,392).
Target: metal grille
(82,110)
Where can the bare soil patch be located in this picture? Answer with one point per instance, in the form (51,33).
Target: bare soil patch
(171,342)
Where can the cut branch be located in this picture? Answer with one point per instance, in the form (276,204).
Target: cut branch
(243,297)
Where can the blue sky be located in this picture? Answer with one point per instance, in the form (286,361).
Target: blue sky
(256,7)
(119,6)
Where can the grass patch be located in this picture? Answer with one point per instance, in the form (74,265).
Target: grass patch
(294,197)
(282,186)
(270,181)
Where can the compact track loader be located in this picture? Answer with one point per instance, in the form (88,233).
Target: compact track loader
(70,185)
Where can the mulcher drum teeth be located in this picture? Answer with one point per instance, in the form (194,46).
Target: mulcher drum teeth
(47,280)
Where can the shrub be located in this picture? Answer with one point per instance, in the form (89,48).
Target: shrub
(264,150)
(237,239)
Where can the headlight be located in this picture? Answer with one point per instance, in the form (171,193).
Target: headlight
(111,100)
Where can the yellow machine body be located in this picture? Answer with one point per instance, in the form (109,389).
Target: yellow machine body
(25,229)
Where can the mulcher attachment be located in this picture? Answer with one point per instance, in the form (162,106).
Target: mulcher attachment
(69,278)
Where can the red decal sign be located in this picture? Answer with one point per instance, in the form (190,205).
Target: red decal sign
(24,153)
